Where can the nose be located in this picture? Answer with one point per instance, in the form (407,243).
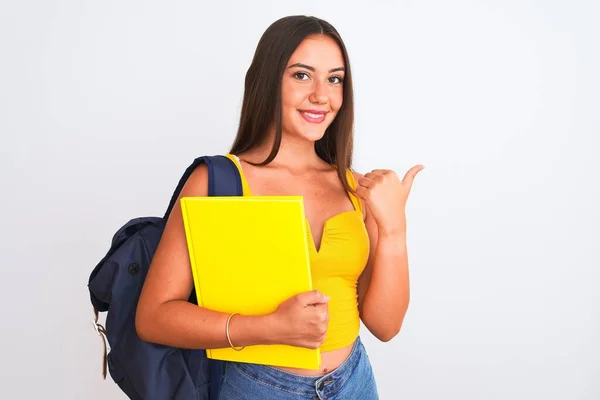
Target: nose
(319,94)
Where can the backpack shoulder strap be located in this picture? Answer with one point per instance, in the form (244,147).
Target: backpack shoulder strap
(223,178)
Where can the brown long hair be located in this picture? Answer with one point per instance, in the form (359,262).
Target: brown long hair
(261,105)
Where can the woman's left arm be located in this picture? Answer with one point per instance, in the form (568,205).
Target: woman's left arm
(383,288)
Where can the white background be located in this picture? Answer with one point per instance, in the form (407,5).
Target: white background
(104,103)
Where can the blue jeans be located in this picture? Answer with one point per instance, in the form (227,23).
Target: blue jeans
(352,380)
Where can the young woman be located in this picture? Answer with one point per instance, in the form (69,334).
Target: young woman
(295,138)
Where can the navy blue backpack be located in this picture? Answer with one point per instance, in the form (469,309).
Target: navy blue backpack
(146,370)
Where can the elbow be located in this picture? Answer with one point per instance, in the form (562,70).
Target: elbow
(388,334)
(384,332)
(391,328)
(140,327)
(143,324)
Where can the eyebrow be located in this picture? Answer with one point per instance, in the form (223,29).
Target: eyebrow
(313,69)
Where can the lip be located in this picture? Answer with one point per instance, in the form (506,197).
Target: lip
(322,115)
(314,111)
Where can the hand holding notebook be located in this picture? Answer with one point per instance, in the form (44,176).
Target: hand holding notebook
(305,317)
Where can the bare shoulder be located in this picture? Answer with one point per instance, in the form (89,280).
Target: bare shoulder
(197,183)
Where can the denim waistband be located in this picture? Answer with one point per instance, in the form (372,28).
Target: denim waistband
(302,384)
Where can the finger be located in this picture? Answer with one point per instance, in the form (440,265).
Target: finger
(412,173)
(312,297)
(382,171)
(375,176)
(363,193)
(366,182)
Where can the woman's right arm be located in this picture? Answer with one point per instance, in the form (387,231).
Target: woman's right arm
(165,316)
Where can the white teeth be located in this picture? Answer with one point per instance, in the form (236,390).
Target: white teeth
(315,116)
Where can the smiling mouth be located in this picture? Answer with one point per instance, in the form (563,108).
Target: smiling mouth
(313,117)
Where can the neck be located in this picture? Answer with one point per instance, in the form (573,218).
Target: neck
(295,153)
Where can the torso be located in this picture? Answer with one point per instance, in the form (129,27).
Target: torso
(331,213)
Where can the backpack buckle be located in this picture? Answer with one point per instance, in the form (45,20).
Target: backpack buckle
(101,331)
(96,326)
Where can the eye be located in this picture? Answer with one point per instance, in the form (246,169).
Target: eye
(299,75)
(339,79)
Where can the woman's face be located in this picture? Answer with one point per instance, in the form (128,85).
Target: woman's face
(312,88)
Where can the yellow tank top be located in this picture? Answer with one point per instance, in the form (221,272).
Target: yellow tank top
(336,266)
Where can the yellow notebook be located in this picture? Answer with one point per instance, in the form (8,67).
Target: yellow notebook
(248,254)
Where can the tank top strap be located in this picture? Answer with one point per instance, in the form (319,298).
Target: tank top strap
(245,187)
(355,200)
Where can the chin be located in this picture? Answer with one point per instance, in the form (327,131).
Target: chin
(314,136)
(308,135)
